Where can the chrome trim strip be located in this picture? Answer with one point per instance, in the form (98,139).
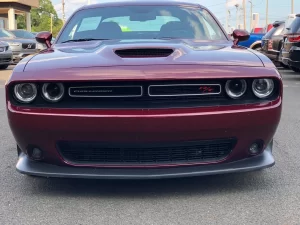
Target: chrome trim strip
(183,94)
(99,96)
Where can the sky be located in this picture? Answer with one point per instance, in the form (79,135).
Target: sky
(278,9)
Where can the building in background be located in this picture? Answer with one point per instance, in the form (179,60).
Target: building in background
(9,9)
(255,21)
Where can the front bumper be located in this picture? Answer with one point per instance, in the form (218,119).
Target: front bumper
(44,128)
(29,167)
(18,56)
(5,58)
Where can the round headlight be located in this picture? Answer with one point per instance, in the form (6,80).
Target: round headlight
(262,88)
(53,92)
(26,92)
(236,88)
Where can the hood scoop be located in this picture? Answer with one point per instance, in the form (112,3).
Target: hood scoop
(144,52)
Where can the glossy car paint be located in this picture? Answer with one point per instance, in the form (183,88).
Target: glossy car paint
(96,61)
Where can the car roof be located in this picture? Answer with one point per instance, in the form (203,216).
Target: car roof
(108,3)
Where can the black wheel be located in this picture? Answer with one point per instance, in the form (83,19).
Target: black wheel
(284,66)
(295,69)
(3,67)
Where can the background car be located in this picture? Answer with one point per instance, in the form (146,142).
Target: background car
(258,30)
(5,55)
(290,53)
(20,47)
(28,35)
(254,42)
(272,41)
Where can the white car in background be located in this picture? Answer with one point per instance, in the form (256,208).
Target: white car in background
(24,34)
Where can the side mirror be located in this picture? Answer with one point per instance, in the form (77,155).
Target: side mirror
(240,35)
(44,37)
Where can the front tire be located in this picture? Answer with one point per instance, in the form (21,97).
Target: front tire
(3,67)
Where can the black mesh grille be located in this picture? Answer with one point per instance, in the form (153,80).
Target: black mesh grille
(144,53)
(28,46)
(99,153)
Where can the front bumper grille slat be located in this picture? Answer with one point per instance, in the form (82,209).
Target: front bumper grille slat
(97,153)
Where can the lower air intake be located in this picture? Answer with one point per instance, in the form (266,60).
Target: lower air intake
(132,155)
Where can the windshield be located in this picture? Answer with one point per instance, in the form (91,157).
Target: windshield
(22,34)
(5,33)
(142,22)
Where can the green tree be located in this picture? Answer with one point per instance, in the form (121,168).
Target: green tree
(41,18)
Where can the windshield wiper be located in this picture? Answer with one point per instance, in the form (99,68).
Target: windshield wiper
(166,38)
(84,39)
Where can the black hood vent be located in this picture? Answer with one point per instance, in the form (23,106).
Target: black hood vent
(144,52)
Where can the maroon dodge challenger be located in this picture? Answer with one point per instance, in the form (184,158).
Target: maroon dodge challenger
(143,89)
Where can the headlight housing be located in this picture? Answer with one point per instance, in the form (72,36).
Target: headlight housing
(236,88)
(25,92)
(263,88)
(53,92)
(14,43)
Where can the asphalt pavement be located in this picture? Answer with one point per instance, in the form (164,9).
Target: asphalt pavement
(271,196)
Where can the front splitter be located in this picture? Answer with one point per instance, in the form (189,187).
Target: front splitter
(29,167)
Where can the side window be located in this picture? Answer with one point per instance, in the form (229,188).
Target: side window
(89,23)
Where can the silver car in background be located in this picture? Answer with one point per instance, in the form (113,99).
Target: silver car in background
(20,47)
(6,55)
(24,34)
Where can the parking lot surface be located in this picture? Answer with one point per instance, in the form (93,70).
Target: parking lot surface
(271,196)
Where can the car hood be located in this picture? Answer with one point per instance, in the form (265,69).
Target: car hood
(21,40)
(102,53)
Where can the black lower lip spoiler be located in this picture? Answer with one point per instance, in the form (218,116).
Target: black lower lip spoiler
(29,167)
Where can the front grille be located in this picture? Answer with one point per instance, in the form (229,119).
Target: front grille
(112,154)
(28,46)
(144,52)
